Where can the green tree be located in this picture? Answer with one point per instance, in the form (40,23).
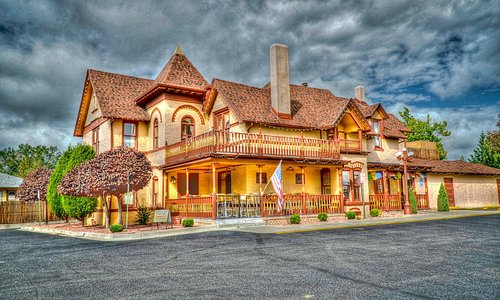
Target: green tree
(75,206)
(484,154)
(442,200)
(493,138)
(26,158)
(53,198)
(426,130)
(413,200)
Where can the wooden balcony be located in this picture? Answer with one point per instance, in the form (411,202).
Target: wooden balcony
(237,144)
(394,201)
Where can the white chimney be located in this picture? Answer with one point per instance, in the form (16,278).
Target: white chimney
(280,81)
(359,93)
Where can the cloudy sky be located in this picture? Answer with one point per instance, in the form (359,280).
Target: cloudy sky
(437,58)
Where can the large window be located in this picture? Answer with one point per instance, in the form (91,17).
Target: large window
(155,133)
(95,140)
(187,129)
(194,184)
(129,135)
(11,196)
(351,185)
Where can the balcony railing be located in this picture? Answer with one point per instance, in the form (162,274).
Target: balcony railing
(232,144)
(393,201)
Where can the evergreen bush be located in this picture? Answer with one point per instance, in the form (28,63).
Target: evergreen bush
(53,197)
(413,200)
(116,228)
(350,215)
(295,219)
(375,212)
(442,200)
(143,214)
(322,217)
(188,222)
(74,206)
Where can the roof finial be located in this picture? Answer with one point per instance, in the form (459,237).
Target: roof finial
(178,50)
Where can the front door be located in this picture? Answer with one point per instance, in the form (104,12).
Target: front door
(448,185)
(326,182)
(224,184)
(498,188)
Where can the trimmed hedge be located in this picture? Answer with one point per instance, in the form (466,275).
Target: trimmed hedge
(116,228)
(322,217)
(188,222)
(442,200)
(350,215)
(375,212)
(413,200)
(295,219)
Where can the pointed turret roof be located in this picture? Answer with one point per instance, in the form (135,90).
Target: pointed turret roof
(181,72)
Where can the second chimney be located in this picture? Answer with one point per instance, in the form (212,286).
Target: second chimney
(280,82)
(359,93)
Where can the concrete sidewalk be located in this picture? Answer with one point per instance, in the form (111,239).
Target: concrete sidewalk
(262,229)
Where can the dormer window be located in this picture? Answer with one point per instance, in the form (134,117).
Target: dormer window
(377,137)
(187,128)
(129,135)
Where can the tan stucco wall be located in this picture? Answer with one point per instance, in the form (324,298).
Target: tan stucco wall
(469,190)
(388,155)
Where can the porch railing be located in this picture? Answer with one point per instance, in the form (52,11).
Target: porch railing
(393,201)
(385,201)
(247,206)
(225,143)
(422,201)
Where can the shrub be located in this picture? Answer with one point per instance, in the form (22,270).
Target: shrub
(188,222)
(375,212)
(143,214)
(413,200)
(53,197)
(350,215)
(78,207)
(116,228)
(322,217)
(295,219)
(442,199)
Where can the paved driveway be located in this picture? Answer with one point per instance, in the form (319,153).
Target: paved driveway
(457,258)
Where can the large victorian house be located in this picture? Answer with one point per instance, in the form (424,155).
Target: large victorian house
(214,145)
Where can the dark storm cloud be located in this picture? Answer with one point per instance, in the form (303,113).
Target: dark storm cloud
(404,53)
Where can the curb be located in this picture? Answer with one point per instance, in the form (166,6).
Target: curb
(386,223)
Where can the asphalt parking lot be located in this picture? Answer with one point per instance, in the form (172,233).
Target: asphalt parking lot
(449,259)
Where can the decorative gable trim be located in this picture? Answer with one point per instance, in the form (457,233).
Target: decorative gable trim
(189,107)
(84,107)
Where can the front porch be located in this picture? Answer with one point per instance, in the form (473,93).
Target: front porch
(386,186)
(222,189)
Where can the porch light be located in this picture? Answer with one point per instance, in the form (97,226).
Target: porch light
(173,180)
(290,169)
(405,156)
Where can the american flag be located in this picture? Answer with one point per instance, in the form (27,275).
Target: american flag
(277,181)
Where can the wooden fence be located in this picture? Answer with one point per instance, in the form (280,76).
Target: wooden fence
(15,212)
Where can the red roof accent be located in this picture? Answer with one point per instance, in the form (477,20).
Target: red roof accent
(116,94)
(310,107)
(179,71)
(456,167)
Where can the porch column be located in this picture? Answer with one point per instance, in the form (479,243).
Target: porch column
(187,191)
(260,189)
(214,194)
(384,189)
(302,172)
(341,191)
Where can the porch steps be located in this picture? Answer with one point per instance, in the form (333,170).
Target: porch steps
(240,222)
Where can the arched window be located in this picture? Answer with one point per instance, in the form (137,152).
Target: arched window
(155,133)
(11,196)
(187,129)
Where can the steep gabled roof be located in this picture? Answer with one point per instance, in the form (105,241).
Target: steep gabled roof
(116,95)
(179,71)
(310,107)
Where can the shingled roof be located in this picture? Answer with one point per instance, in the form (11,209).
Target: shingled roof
(310,107)
(116,94)
(9,181)
(456,167)
(179,71)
